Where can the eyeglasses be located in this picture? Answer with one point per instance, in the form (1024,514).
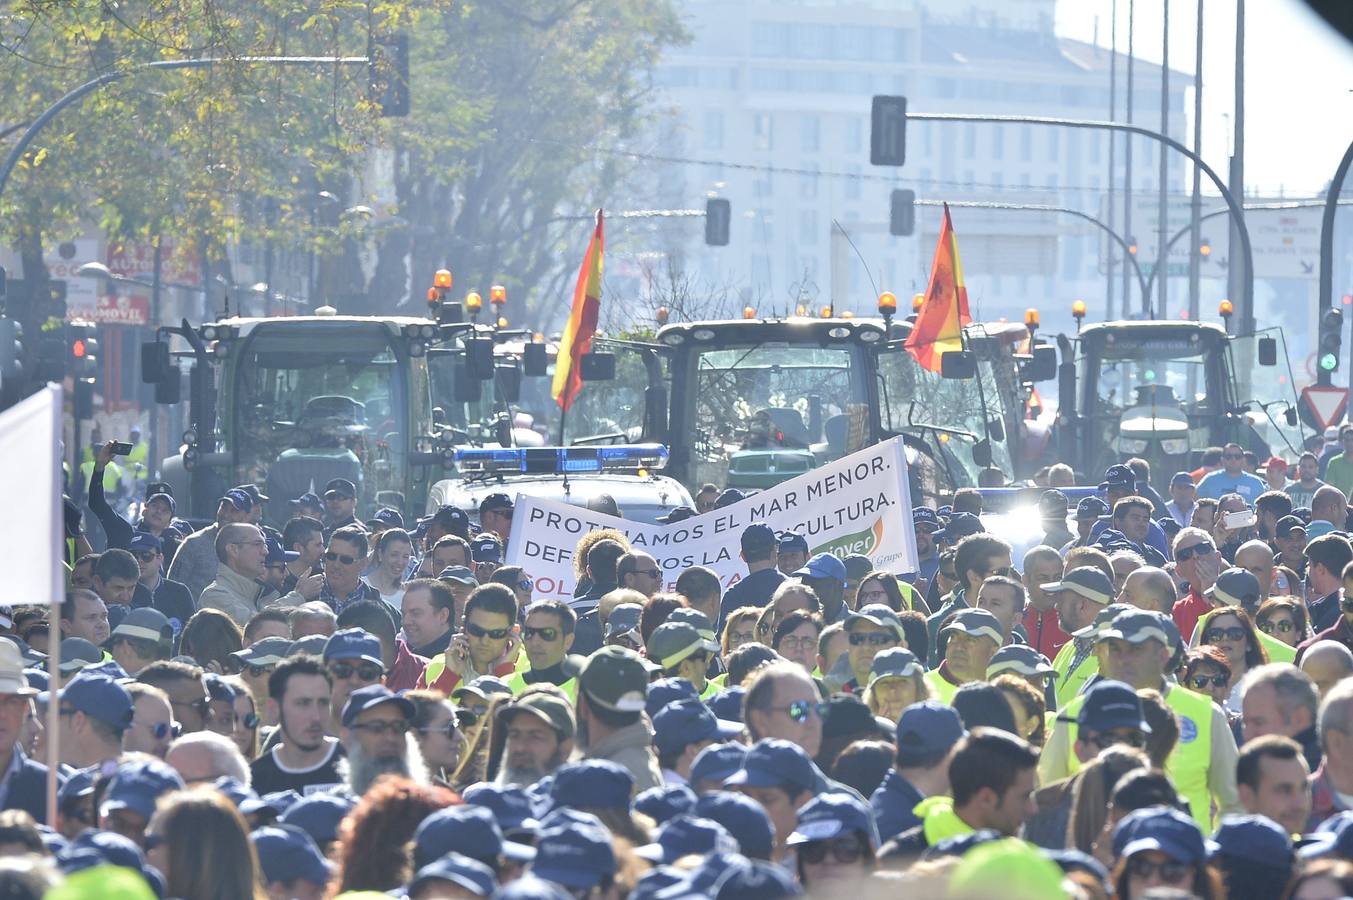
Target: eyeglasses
(1169,870)
(147,555)
(1234,633)
(651,573)
(1185,553)
(380,726)
(798,643)
(545,634)
(496,634)
(1282,625)
(879,596)
(365,671)
(449,729)
(1105,739)
(256,671)
(800,710)
(343,558)
(872,638)
(526,584)
(842,851)
(1203,682)
(741,637)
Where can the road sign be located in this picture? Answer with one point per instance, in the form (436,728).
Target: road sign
(1327,405)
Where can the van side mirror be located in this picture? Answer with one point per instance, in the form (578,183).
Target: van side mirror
(1268,351)
(155,363)
(1042,366)
(597,367)
(479,358)
(981,452)
(958,364)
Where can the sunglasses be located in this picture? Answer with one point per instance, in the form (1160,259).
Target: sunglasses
(147,555)
(496,634)
(545,634)
(1186,553)
(800,710)
(1169,870)
(1283,626)
(343,558)
(250,721)
(1107,739)
(872,638)
(526,584)
(1234,633)
(842,851)
(365,671)
(398,726)
(256,671)
(1203,682)
(162,730)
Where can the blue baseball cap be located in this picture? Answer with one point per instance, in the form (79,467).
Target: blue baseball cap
(833,814)
(529,887)
(677,514)
(165,498)
(1254,837)
(1109,705)
(791,542)
(78,653)
(959,526)
(144,542)
(666,691)
(1179,478)
(757,537)
(1118,476)
(717,762)
(100,697)
(727,703)
(772,762)
(286,853)
(94,848)
(311,644)
(341,487)
(666,801)
(623,619)
(353,643)
(462,871)
(468,829)
(1160,828)
(1334,835)
(1091,508)
(689,721)
(926,730)
(685,835)
(389,517)
(592,783)
(319,815)
(486,548)
(137,785)
(80,783)
(577,855)
(824,565)
(277,554)
(729,497)
(754,879)
(924,515)
(371,696)
(238,499)
(744,818)
(511,806)
(309,499)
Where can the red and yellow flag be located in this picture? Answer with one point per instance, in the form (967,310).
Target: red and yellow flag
(582,323)
(939,324)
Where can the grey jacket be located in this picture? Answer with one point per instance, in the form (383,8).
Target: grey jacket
(240,597)
(631,747)
(195,562)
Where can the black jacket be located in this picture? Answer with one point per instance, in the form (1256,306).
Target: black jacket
(27,788)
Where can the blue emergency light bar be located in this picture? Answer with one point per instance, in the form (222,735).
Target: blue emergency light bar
(562,460)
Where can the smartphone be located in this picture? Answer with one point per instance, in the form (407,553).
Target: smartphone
(121,448)
(1244,518)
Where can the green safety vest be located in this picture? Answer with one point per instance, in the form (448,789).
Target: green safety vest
(940,687)
(938,819)
(1191,757)
(710,689)
(1069,683)
(518,684)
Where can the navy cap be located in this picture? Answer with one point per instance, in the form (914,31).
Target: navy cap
(728,703)
(277,554)
(495,501)
(564,816)
(161,496)
(1052,503)
(458,574)
(1181,478)
(1020,659)
(254,493)
(696,618)
(1160,828)
(686,835)
(1074,860)
(77,653)
(1087,581)
(93,848)
(857,565)
(959,526)
(1109,705)
(266,652)
(529,887)
(717,762)
(1256,838)
(237,792)
(353,643)
(577,856)
(511,806)
(689,721)
(144,541)
(341,487)
(927,730)
(744,818)
(757,537)
(319,815)
(895,662)
(1137,626)
(1285,525)
(468,829)
(286,853)
(976,623)
(238,499)
(462,871)
(831,815)
(147,623)
(311,644)
(1334,835)
(1236,587)
(99,697)
(1091,508)
(729,497)
(592,783)
(371,696)
(772,762)
(310,499)
(664,802)
(791,542)
(486,548)
(1118,476)
(924,515)
(137,785)
(389,517)
(879,614)
(666,691)
(753,879)
(960,844)
(623,619)
(80,783)
(824,565)
(677,514)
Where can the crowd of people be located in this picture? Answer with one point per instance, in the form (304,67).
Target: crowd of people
(1153,701)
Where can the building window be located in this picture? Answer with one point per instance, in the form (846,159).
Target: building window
(852,188)
(969,141)
(1054,143)
(854,134)
(713,129)
(998,142)
(1026,143)
(808,227)
(1094,147)
(810,133)
(763,185)
(763,131)
(808,184)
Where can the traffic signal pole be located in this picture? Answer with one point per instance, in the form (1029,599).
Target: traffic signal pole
(1325,300)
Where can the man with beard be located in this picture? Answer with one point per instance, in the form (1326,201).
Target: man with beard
(304,759)
(376,723)
(533,736)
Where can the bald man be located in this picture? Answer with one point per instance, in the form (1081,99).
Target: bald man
(1256,557)
(1149,588)
(1327,662)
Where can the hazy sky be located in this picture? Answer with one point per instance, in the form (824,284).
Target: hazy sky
(1298,78)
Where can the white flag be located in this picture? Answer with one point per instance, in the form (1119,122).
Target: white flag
(33,529)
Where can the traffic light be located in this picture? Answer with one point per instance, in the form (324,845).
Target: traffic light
(718,214)
(388,73)
(902,218)
(11,362)
(83,366)
(888,131)
(1330,342)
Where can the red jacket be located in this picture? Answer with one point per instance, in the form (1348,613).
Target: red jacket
(1045,633)
(407,669)
(1188,611)
(1340,632)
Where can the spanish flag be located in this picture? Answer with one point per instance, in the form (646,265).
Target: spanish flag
(939,325)
(582,323)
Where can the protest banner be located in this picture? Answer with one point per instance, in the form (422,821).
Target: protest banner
(858,504)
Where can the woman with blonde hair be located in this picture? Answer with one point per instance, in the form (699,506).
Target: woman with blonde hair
(200,843)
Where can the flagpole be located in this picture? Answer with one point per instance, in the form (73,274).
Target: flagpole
(54,610)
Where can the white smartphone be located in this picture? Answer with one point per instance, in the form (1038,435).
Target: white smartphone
(1244,518)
